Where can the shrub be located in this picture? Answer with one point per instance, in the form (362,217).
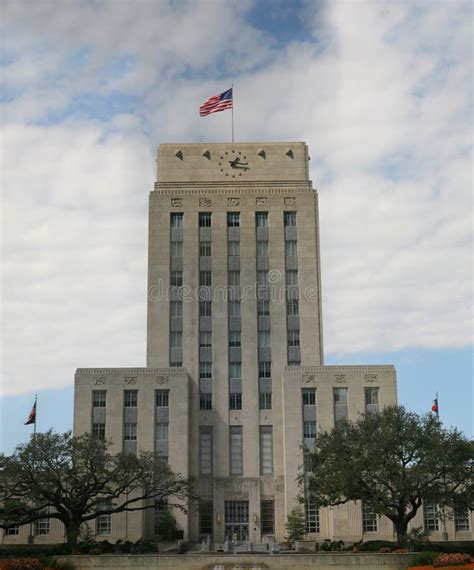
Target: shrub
(424,558)
(415,539)
(452,560)
(333,546)
(23,564)
(295,524)
(385,550)
(375,545)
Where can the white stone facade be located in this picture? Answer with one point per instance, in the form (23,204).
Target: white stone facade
(242,364)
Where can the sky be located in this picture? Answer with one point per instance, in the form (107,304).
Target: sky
(380,91)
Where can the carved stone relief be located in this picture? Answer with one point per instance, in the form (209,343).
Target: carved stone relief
(176,202)
(370,377)
(98,380)
(233,201)
(340,378)
(205,202)
(308,378)
(130,380)
(162,379)
(289,201)
(261,201)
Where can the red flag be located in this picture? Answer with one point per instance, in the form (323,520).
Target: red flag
(32,417)
(434,407)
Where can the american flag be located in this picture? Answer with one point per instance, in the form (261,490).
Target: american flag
(32,417)
(216,103)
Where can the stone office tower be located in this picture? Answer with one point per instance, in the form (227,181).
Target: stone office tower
(235,381)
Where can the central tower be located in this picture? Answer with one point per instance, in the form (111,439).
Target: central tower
(234,298)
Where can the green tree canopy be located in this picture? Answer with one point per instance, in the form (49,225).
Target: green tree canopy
(76,479)
(395,460)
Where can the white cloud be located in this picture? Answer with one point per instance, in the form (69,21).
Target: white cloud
(384,108)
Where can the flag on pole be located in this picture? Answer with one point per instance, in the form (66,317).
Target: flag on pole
(216,103)
(434,407)
(32,417)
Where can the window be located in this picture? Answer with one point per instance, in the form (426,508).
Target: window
(265,400)
(235,444)
(312,517)
(176,249)
(309,430)
(176,340)
(233,219)
(98,431)
(293,308)
(293,338)
(234,278)
(206,517)
(262,278)
(369,518)
(205,279)
(205,219)
(267,517)
(371,400)
(235,370)
(234,248)
(176,308)
(309,396)
(263,308)
(176,220)
(264,340)
(176,278)
(205,450)
(340,405)
(461,519)
(205,249)
(12,531)
(103,525)
(234,338)
(266,450)
(205,308)
(261,219)
(98,398)
(291,277)
(161,508)
(235,401)
(430,517)
(289,219)
(162,398)
(264,369)
(262,248)
(130,432)
(205,339)
(130,398)
(291,247)
(234,308)
(42,526)
(205,370)
(162,431)
(205,401)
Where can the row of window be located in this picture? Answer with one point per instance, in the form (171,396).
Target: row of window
(267,519)
(233,219)
(233,312)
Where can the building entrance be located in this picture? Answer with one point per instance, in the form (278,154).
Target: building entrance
(237,520)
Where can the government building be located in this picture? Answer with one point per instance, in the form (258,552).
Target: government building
(235,385)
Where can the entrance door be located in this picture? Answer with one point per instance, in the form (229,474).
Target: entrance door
(237,520)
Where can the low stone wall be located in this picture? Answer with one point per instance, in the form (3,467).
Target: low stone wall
(251,561)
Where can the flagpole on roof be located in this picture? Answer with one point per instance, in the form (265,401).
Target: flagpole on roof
(232,87)
(36,415)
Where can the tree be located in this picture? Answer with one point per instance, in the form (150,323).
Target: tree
(76,479)
(295,524)
(395,460)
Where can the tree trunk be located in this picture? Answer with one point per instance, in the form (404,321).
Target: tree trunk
(401,530)
(72,533)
